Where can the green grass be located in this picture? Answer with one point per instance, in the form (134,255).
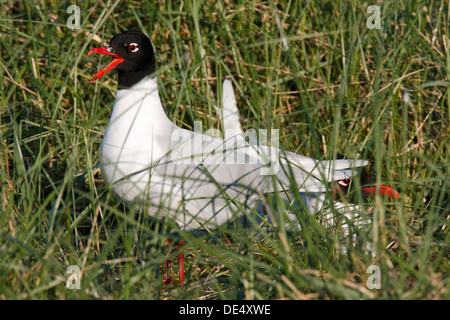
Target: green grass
(339,88)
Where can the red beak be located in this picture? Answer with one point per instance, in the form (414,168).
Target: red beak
(115,61)
(384,190)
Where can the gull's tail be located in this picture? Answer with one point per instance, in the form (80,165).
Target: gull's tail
(229,113)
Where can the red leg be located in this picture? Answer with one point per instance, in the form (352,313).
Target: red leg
(168,274)
(181,263)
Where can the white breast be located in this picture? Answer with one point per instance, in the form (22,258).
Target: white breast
(131,144)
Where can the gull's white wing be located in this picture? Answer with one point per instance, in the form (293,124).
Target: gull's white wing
(236,161)
(211,178)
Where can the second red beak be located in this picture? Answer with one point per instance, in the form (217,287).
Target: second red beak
(384,190)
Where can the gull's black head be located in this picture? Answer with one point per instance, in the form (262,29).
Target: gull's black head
(133,57)
(347,187)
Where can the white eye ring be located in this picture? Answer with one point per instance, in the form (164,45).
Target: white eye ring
(344,182)
(133,47)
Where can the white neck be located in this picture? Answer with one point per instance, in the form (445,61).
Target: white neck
(135,133)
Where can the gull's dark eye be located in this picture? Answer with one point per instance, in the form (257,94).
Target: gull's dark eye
(133,47)
(345,182)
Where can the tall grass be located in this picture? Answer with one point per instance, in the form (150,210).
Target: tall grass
(337,88)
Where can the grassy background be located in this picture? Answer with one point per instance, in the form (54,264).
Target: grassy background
(337,88)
